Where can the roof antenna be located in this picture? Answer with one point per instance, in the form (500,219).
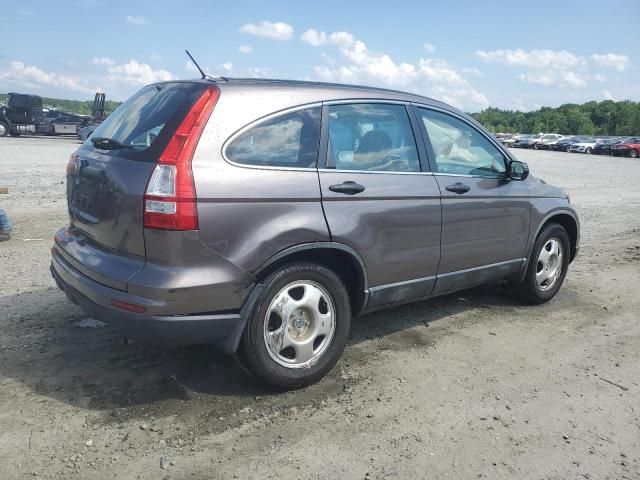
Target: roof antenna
(204,75)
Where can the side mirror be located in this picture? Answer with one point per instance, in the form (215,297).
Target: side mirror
(518,170)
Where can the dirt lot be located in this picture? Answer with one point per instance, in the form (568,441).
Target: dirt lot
(471,385)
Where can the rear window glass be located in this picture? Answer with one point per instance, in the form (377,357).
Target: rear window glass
(289,140)
(149,113)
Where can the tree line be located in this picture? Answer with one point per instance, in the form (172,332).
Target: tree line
(591,118)
(81,107)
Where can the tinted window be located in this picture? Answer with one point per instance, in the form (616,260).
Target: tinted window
(141,119)
(18,101)
(372,137)
(459,148)
(289,140)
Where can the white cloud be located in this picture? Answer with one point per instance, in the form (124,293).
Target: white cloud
(533,58)
(544,79)
(314,38)
(607,95)
(135,20)
(556,68)
(429,48)
(434,77)
(274,31)
(259,72)
(136,73)
(619,62)
(246,49)
(472,71)
(33,77)
(119,81)
(102,61)
(572,79)
(227,67)
(553,78)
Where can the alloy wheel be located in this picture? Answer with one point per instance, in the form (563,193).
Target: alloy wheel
(299,324)
(549,265)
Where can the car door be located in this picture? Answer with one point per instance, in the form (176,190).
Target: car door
(379,198)
(485,215)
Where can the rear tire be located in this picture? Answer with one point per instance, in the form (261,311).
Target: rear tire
(298,328)
(546,270)
(633,154)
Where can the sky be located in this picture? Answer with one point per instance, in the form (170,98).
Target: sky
(506,54)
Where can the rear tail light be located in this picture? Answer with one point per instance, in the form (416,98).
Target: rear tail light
(170,198)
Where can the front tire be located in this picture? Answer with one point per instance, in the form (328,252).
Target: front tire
(547,266)
(633,153)
(4,129)
(299,326)
(588,150)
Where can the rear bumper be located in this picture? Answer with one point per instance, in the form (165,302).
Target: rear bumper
(223,329)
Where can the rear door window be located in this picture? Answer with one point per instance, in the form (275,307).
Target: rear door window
(372,137)
(289,140)
(149,118)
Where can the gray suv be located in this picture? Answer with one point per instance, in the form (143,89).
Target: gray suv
(262,215)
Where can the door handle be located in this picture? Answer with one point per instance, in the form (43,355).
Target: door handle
(348,188)
(458,188)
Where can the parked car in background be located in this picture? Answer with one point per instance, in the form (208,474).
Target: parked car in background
(509,141)
(604,148)
(564,144)
(527,141)
(627,148)
(64,124)
(86,131)
(261,215)
(585,145)
(503,136)
(547,141)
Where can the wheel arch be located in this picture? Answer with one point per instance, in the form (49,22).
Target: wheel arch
(570,223)
(343,260)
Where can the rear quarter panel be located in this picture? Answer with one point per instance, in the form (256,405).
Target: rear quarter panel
(249,214)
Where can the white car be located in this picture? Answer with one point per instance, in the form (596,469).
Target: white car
(585,146)
(547,141)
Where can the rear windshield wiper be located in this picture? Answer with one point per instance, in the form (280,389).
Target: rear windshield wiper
(106,143)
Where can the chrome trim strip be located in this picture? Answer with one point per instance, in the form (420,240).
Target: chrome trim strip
(498,177)
(335,170)
(343,101)
(481,267)
(401,284)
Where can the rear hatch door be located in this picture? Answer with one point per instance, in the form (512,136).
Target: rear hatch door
(108,175)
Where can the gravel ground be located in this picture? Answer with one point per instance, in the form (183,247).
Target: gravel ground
(471,385)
